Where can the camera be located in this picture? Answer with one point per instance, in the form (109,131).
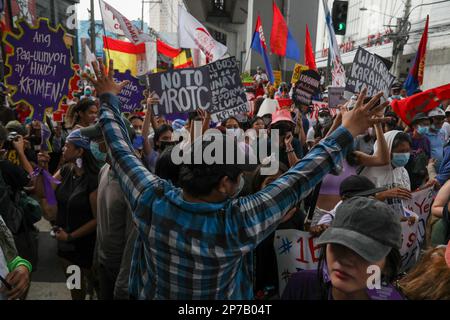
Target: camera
(12,136)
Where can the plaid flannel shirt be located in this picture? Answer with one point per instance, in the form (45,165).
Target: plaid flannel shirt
(190,250)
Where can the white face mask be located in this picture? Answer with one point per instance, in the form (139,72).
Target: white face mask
(236,132)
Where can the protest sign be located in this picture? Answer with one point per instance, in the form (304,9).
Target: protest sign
(277,77)
(228,93)
(410,246)
(40,66)
(131,96)
(420,204)
(181,91)
(306,87)
(295,250)
(299,68)
(336,96)
(369,71)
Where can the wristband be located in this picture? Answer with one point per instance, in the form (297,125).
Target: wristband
(18,261)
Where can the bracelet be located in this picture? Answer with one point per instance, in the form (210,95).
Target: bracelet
(18,261)
(289,151)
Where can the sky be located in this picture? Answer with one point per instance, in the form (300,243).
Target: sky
(132,9)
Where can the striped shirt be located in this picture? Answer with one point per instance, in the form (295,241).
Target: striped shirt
(188,250)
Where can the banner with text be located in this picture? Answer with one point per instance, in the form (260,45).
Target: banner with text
(306,87)
(295,250)
(40,66)
(216,88)
(369,71)
(131,97)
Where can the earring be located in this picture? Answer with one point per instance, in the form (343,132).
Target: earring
(79,163)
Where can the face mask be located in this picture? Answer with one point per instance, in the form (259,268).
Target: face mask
(138,142)
(239,188)
(435,128)
(87,92)
(236,132)
(95,150)
(400,159)
(165,144)
(422,130)
(396,97)
(325,121)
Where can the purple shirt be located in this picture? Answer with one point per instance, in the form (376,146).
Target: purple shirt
(305,285)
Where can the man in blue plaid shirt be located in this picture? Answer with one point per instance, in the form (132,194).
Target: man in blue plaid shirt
(196,242)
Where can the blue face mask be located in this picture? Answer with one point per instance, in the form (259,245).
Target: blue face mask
(138,142)
(98,155)
(400,159)
(422,129)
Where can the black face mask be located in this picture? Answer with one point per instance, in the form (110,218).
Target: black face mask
(166,144)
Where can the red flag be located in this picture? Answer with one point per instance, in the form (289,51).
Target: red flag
(165,49)
(425,101)
(282,42)
(310,60)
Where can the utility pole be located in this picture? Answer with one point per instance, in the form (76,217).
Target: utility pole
(400,38)
(92,29)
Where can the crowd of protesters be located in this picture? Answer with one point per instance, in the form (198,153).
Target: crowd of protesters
(140,226)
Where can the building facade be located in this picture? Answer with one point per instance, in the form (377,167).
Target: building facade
(371,24)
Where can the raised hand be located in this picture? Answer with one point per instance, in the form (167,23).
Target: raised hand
(103,81)
(363,116)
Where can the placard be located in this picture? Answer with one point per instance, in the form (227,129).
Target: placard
(131,97)
(306,87)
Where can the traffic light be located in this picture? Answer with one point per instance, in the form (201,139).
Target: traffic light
(339,17)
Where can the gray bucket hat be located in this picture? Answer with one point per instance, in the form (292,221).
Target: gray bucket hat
(367,226)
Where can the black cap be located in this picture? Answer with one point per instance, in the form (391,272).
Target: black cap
(419,116)
(355,186)
(367,226)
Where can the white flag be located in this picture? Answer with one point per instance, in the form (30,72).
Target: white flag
(337,71)
(90,57)
(192,34)
(116,23)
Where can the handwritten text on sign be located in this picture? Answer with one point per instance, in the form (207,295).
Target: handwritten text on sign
(295,250)
(181,91)
(131,95)
(369,70)
(228,93)
(40,67)
(420,204)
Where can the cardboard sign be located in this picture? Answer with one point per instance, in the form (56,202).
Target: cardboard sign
(228,93)
(131,96)
(295,250)
(410,246)
(336,96)
(40,66)
(277,77)
(216,88)
(299,68)
(306,87)
(369,71)
(181,91)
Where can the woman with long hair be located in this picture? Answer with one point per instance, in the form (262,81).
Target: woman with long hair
(82,115)
(73,215)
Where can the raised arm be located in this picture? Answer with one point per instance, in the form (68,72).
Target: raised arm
(134,178)
(381,156)
(260,213)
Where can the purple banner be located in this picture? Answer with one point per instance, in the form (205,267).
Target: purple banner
(40,66)
(132,95)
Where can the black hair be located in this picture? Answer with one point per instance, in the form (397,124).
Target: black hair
(283,126)
(400,138)
(165,168)
(232,118)
(135,116)
(160,131)
(389,274)
(90,165)
(253,121)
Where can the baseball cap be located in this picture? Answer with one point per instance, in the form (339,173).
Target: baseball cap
(16,126)
(358,186)
(367,226)
(436,112)
(419,116)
